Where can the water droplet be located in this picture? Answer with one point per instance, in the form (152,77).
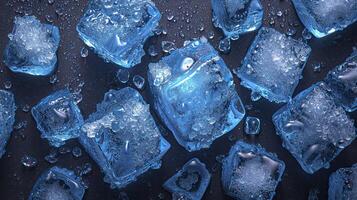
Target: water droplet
(225,45)
(84,52)
(123,75)
(139,81)
(77,152)
(168,46)
(29,161)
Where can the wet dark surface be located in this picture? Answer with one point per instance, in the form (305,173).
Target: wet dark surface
(16,181)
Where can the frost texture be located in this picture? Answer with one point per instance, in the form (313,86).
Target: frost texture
(323,17)
(122,137)
(190,182)
(194,94)
(7,118)
(32,47)
(314,128)
(251,173)
(58,184)
(343,184)
(273,65)
(58,117)
(343,82)
(117,29)
(236,17)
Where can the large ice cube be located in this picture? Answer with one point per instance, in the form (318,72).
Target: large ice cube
(122,137)
(314,128)
(58,117)
(58,184)
(273,65)
(7,118)
(236,17)
(117,29)
(343,184)
(323,17)
(194,94)
(32,47)
(190,182)
(343,82)
(250,172)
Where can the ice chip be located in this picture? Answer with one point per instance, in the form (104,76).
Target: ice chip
(58,117)
(7,118)
(195,95)
(323,17)
(314,128)
(59,184)
(190,182)
(117,30)
(343,83)
(250,172)
(122,137)
(236,17)
(273,65)
(32,47)
(343,184)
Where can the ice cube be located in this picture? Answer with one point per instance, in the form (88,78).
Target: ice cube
(117,30)
(58,117)
(7,118)
(122,137)
(59,184)
(32,47)
(323,17)
(273,65)
(252,126)
(343,82)
(314,128)
(190,182)
(343,184)
(250,172)
(195,95)
(236,17)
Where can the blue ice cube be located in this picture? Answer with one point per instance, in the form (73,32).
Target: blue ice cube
(250,172)
(194,94)
(58,183)
(343,184)
(323,17)
(58,117)
(343,82)
(190,182)
(252,126)
(122,137)
(32,47)
(314,128)
(117,30)
(236,17)
(7,118)
(273,65)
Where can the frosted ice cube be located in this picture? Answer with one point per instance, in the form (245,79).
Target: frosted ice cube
(195,95)
(273,65)
(32,47)
(122,137)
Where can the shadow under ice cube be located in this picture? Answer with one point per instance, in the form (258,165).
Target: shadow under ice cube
(343,184)
(273,65)
(122,137)
(58,117)
(58,184)
(236,17)
(7,118)
(32,47)
(117,30)
(195,95)
(314,128)
(324,17)
(249,172)
(190,182)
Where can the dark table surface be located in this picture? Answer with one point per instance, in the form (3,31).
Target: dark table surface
(98,77)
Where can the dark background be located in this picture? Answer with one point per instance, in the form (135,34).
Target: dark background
(98,77)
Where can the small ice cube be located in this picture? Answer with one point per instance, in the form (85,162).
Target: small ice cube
(32,47)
